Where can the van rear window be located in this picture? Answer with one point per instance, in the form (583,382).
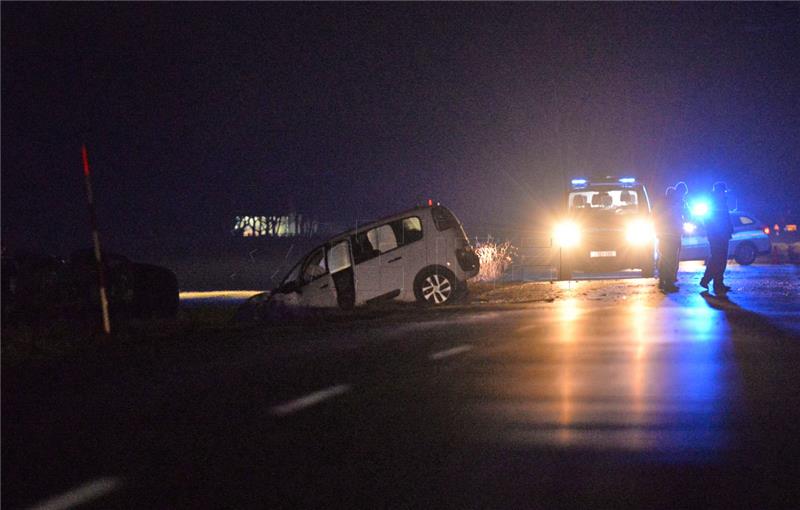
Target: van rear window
(443,218)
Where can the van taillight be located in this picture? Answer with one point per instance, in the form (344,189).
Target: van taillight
(766,230)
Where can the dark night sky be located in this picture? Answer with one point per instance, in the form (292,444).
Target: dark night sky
(194,112)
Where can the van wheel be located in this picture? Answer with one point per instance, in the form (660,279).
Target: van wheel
(435,286)
(745,254)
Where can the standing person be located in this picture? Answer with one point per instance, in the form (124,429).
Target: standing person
(681,189)
(719,230)
(669,222)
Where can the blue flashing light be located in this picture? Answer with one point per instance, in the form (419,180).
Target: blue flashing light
(627,180)
(579,182)
(700,209)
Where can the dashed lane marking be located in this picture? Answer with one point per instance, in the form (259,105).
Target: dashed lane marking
(80,495)
(450,352)
(309,400)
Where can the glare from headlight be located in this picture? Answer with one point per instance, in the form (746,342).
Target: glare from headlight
(689,228)
(567,234)
(640,232)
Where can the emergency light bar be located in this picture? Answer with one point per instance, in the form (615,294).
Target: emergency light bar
(579,182)
(700,209)
(627,180)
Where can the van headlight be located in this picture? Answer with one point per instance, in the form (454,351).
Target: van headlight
(640,232)
(567,234)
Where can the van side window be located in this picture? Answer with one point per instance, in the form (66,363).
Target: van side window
(407,230)
(744,220)
(373,242)
(363,249)
(315,266)
(385,238)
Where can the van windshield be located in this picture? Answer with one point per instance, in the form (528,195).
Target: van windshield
(606,200)
(292,276)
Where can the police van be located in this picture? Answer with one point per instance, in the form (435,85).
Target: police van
(608,227)
(418,255)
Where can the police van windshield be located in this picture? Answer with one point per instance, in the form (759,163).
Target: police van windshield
(619,201)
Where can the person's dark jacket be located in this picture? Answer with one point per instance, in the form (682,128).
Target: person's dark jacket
(718,224)
(669,216)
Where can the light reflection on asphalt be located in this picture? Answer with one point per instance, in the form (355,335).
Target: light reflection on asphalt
(647,374)
(618,365)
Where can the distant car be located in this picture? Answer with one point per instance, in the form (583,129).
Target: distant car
(785,231)
(32,283)
(40,287)
(608,227)
(419,255)
(749,240)
(134,289)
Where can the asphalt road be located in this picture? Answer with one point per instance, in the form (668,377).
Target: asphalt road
(613,395)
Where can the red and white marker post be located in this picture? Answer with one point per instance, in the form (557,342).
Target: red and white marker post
(101,275)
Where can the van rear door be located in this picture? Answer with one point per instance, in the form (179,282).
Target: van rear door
(378,264)
(340,264)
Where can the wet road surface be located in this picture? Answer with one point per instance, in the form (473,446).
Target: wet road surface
(612,395)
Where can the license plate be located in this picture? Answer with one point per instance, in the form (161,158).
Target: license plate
(595,254)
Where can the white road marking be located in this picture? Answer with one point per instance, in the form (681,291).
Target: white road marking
(309,400)
(451,352)
(80,495)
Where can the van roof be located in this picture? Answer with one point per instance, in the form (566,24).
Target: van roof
(605,186)
(375,223)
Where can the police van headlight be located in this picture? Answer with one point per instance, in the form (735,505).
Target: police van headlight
(567,234)
(640,232)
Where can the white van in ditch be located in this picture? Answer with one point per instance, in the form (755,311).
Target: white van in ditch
(419,255)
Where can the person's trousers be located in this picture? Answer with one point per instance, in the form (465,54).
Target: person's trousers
(669,255)
(717,261)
